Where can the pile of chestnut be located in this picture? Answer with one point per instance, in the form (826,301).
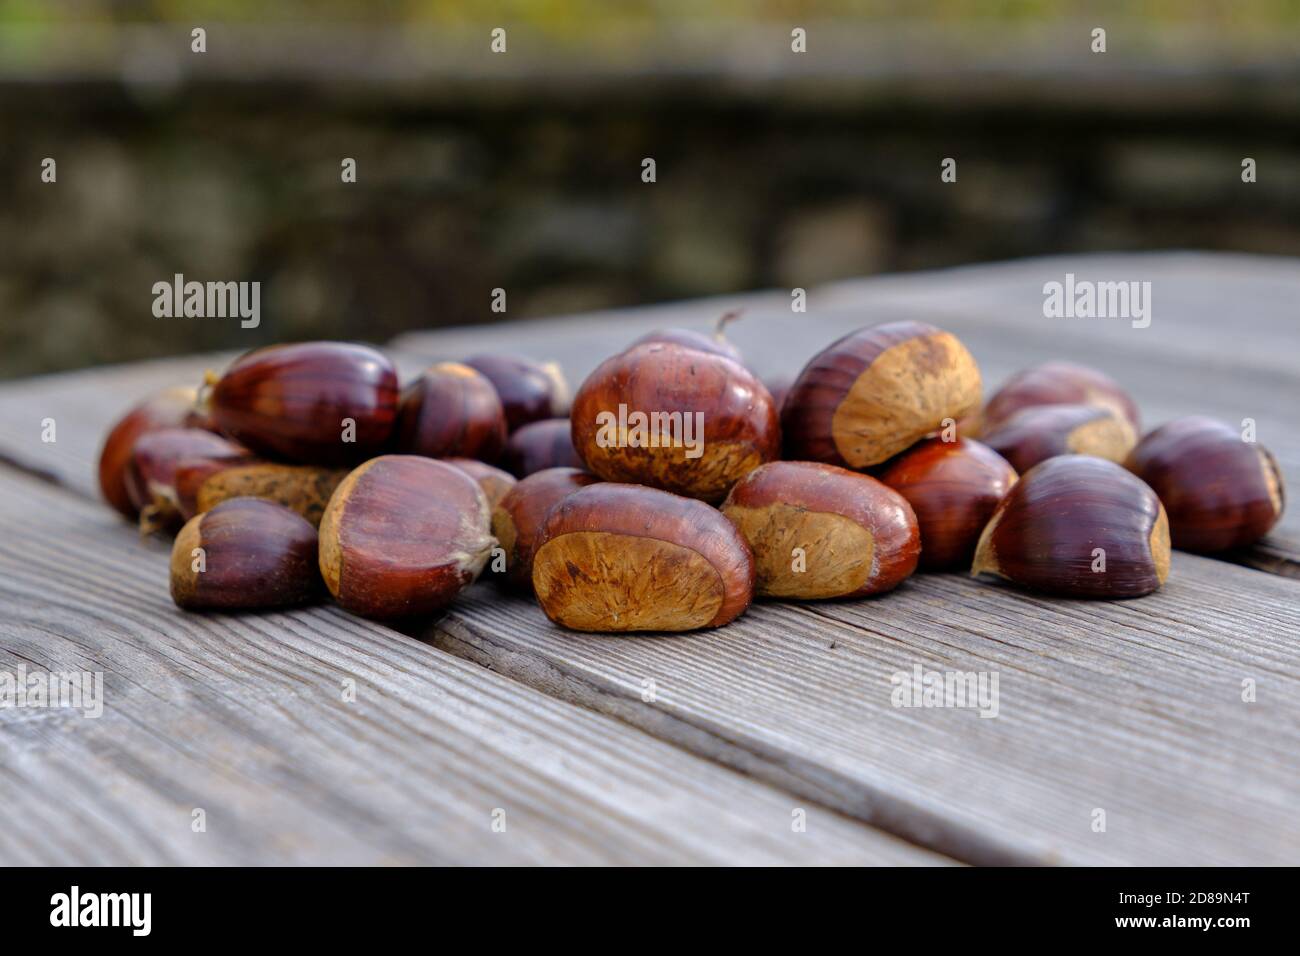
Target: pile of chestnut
(304,468)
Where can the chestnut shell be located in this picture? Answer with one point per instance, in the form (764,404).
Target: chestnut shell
(740,425)
(518,517)
(290,401)
(616,557)
(1040,432)
(1043,534)
(451,410)
(1057,383)
(858,536)
(954,488)
(529,391)
(402,536)
(170,408)
(258,554)
(1220,492)
(541,445)
(876,392)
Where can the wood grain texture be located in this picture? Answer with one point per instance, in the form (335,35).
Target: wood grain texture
(243,716)
(1134,708)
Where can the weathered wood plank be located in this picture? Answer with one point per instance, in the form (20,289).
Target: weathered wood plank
(1133,708)
(243,716)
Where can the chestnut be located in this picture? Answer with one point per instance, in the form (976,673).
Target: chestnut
(170,408)
(1055,383)
(615,557)
(715,344)
(304,489)
(151,479)
(953,487)
(820,531)
(402,536)
(1040,432)
(529,391)
(315,403)
(1078,526)
(674,418)
(451,410)
(494,482)
(539,445)
(517,519)
(245,553)
(876,392)
(778,387)
(1220,491)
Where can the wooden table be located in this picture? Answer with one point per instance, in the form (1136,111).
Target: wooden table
(490,736)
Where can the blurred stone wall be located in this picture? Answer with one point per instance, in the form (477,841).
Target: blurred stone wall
(544,198)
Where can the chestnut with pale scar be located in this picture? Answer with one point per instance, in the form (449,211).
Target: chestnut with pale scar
(876,392)
(1040,432)
(402,536)
(819,531)
(616,557)
(1078,526)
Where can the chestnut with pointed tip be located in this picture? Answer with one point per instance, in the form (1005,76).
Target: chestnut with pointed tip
(494,482)
(1078,526)
(402,536)
(715,344)
(877,392)
(529,391)
(615,557)
(1055,383)
(820,531)
(953,487)
(156,463)
(314,403)
(245,553)
(674,418)
(170,408)
(304,489)
(1221,492)
(517,519)
(1044,431)
(451,410)
(541,445)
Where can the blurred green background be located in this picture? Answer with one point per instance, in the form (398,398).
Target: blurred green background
(522,170)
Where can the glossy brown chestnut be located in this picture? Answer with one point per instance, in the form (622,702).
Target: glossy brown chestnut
(517,520)
(152,478)
(171,408)
(1220,492)
(315,403)
(1078,526)
(402,536)
(494,482)
(715,344)
(1055,383)
(304,489)
(1044,431)
(820,531)
(451,410)
(877,392)
(674,418)
(245,553)
(953,487)
(615,557)
(530,391)
(539,445)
